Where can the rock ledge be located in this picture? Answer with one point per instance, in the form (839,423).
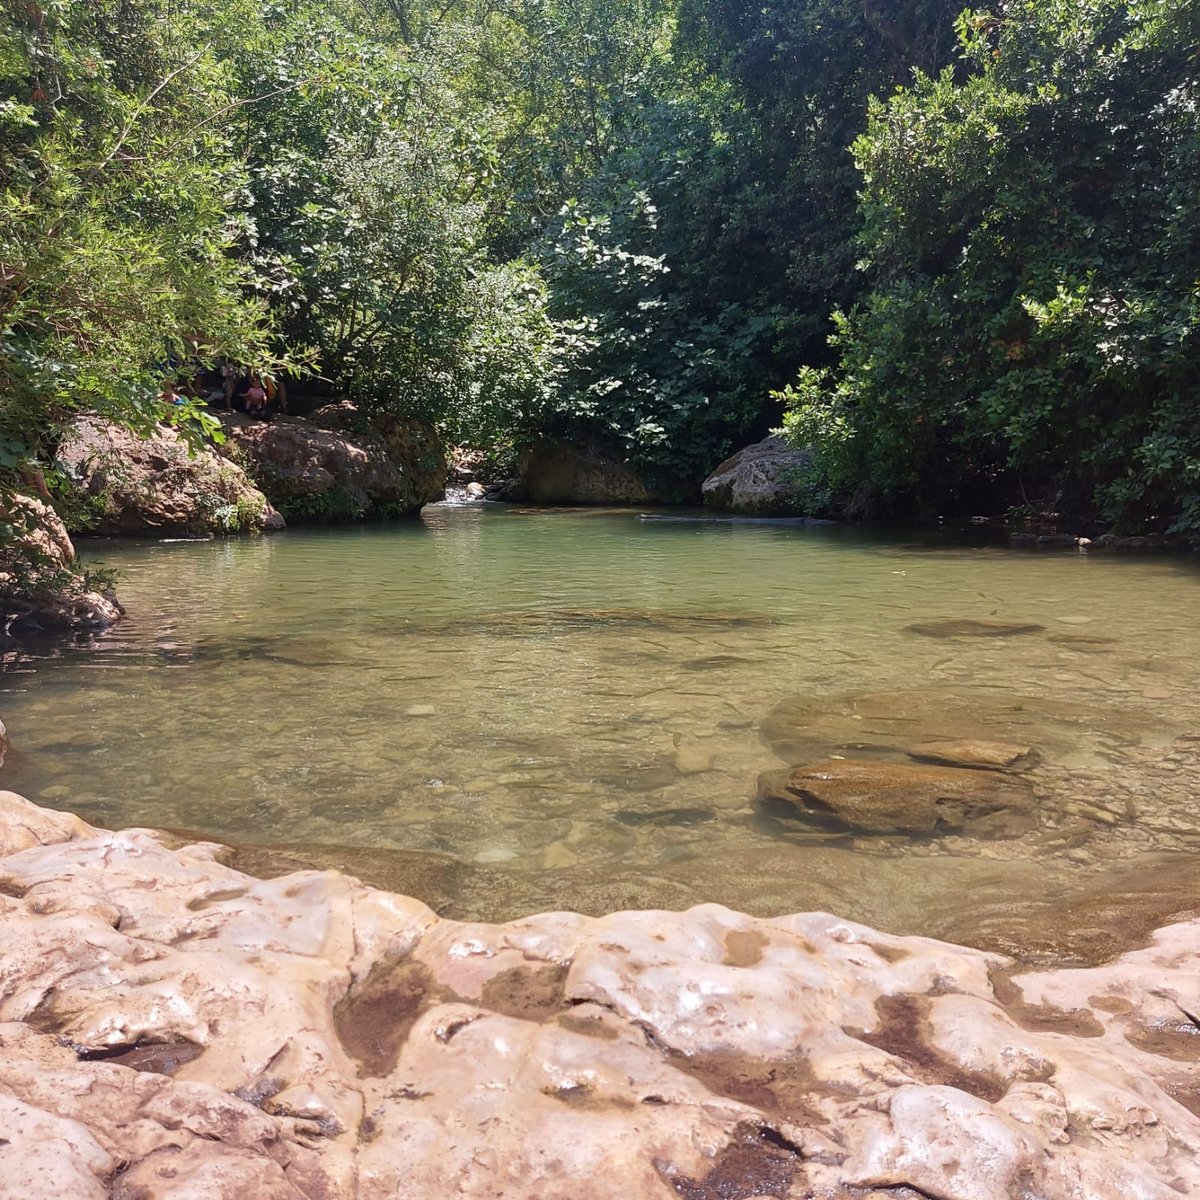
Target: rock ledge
(172,1028)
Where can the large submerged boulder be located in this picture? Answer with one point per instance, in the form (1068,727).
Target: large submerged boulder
(886,797)
(570,473)
(42,587)
(171,1027)
(157,486)
(765,479)
(333,466)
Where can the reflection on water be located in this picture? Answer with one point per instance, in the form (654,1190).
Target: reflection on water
(549,710)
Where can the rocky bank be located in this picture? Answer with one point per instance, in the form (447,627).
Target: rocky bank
(170,1027)
(330,466)
(157,485)
(42,588)
(334,465)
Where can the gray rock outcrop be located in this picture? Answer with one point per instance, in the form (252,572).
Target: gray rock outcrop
(763,479)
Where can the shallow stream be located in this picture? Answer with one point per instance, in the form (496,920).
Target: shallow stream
(504,711)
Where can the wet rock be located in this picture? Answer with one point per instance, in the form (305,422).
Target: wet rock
(666,816)
(510,491)
(311,1037)
(962,627)
(567,473)
(988,756)
(330,472)
(43,589)
(158,486)
(890,725)
(765,479)
(880,797)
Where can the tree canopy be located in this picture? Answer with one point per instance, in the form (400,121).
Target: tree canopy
(1031,234)
(962,248)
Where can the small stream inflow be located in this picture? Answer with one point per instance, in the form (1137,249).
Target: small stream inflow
(504,711)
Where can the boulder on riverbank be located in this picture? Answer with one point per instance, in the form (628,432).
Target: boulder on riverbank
(157,486)
(567,473)
(765,479)
(333,466)
(168,1024)
(42,588)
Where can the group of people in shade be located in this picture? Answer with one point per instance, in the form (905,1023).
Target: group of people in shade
(233,387)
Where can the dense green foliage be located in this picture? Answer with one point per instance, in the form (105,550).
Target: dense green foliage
(1032,233)
(116,248)
(628,222)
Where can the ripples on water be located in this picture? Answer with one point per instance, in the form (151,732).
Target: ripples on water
(505,711)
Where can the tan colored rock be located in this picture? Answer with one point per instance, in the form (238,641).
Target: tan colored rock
(975,753)
(23,825)
(411,443)
(334,470)
(892,724)
(884,797)
(170,1028)
(42,587)
(39,537)
(159,485)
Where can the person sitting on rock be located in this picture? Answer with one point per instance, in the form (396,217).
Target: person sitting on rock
(256,398)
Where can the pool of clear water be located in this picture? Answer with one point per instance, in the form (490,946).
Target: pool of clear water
(504,710)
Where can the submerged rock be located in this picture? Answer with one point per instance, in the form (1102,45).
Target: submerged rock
(765,479)
(882,797)
(43,589)
(169,1025)
(897,725)
(158,486)
(980,755)
(960,627)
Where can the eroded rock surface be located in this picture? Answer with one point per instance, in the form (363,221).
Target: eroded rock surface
(335,466)
(42,587)
(764,479)
(158,486)
(170,1027)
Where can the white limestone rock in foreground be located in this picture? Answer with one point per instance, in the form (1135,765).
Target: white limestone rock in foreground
(172,1028)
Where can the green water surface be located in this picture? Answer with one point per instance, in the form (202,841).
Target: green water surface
(505,710)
